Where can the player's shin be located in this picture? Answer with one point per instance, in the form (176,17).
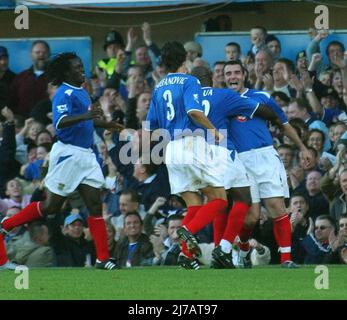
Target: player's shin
(236,220)
(30,213)
(206,215)
(283,235)
(98,231)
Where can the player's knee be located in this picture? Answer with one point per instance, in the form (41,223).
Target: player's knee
(251,221)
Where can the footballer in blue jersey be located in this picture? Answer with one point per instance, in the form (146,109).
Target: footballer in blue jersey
(176,107)
(221,105)
(264,166)
(174,97)
(72,163)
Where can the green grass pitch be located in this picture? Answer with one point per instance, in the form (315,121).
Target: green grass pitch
(172,283)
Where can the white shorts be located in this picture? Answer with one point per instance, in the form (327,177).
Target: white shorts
(191,165)
(266,173)
(70,166)
(233,171)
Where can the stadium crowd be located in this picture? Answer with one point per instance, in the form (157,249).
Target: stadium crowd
(142,217)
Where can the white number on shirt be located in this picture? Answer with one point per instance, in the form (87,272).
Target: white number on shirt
(167,95)
(207,106)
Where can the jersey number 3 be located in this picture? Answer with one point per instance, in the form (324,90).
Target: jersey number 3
(170,110)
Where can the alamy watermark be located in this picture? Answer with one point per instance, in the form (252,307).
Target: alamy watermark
(183,147)
(321,281)
(321,22)
(22,281)
(22,19)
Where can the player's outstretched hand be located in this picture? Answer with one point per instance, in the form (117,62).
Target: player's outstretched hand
(115,126)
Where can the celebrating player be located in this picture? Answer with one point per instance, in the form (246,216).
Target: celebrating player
(176,107)
(264,167)
(73,164)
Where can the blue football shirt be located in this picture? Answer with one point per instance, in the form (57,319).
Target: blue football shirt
(173,98)
(247,133)
(70,101)
(221,104)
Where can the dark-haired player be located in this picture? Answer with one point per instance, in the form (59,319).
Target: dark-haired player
(72,164)
(176,107)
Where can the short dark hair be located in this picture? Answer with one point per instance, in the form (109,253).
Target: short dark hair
(133,213)
(281,95)
(285,146)
(343,216)
(203,74)
(59,66)
(134,196)
(235,44)
(235,62)
(261,28)
(302,103)
(334,43)
(173,55)
(318,131)
(174,217)
(298,194)
(271,38)
(43,42)
(288,63)
(327,217)
(219,62)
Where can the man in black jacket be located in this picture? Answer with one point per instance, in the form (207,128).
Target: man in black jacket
(70,247)
(134,249)
(9,167)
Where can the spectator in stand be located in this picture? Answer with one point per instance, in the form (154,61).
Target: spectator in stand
(258,36)
(36,253)
(301,63)
(113,43)
(146,55)
(334,49)
(317,245)
(283,72)
(286,154)
(274,45)
(71,249)
(6,77)
(232,51)
(339,204)
(134,249)
(166,245)
(32,171)
(340,243)
(128,202)
(300,223)
(9,167)
(298,173)
(218,75)
(25,137)
(318,204)
(30,86)
(111,238)
(263,70)
(316,141)
(194,50)
(15,196)
(42,112)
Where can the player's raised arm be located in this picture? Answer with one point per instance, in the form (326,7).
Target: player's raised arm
(267,113)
